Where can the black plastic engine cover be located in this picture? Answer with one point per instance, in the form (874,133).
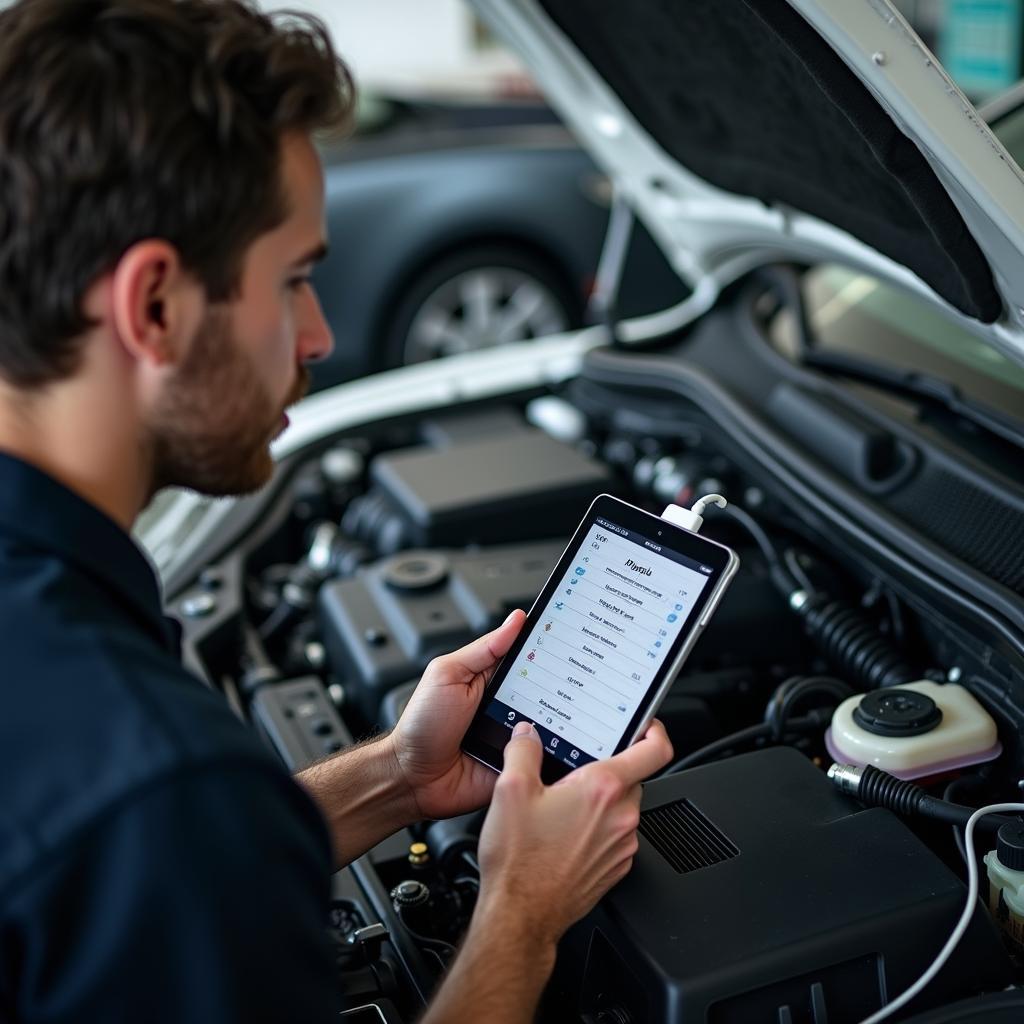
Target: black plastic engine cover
(758,888)
(496,489)
(382,626)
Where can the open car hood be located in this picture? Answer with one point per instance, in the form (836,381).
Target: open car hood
(751,131)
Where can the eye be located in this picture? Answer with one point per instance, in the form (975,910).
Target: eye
(298,282)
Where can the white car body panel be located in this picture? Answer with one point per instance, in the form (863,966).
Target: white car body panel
(711,236)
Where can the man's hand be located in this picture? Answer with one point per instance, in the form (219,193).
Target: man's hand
(549,853)
(442,780)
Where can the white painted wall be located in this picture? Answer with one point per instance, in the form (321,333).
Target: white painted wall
(411,43)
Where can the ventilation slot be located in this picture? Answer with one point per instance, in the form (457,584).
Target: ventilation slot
(685,838)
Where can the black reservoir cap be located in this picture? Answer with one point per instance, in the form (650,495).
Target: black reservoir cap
(897,712)
(1010,846)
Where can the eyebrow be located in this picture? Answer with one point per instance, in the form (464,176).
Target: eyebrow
(314,255)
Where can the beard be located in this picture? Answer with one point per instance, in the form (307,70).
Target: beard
(212,428)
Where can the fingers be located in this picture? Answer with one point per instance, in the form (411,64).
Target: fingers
(649,754)
(523,753)
(481,654)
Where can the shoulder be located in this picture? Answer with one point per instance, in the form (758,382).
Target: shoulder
(202,893)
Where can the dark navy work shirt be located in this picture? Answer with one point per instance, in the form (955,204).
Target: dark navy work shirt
(156,863)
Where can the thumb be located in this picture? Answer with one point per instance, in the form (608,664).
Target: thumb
(523,752)
(480,655)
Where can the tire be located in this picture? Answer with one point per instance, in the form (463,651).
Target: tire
(477,298)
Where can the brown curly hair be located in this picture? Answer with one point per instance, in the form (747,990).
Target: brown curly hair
(122,120)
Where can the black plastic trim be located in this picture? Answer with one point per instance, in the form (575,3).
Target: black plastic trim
(820,490)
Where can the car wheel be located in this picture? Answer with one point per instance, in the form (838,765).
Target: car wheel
(478,298)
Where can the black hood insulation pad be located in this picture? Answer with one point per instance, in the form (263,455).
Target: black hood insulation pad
(745,94)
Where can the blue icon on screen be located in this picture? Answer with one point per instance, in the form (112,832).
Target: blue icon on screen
(573,582)
(672,617)
(559,605)
(679,607)
(657,643)
(580,572)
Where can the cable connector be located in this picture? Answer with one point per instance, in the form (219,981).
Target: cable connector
(877,788)
(693,517)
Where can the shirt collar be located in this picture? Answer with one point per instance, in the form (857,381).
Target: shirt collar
(36,508)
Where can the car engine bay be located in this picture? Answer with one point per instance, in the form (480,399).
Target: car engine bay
(761,891)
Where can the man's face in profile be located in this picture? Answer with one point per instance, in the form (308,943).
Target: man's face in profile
(215,420)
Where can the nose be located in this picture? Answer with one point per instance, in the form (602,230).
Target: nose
(315,339)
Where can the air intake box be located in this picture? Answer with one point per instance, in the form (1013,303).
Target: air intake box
(760,894)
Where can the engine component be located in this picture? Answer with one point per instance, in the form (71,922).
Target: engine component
(419,855)
(381,627)
(806,691)
(410,896)
(506,488)
(759,892)
(453,838)
(299,720)
(901,712)
(1005,866)
(914,730)
(850,641)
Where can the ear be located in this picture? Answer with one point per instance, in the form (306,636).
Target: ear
(155,304)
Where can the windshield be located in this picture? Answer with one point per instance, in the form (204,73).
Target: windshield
(856,314)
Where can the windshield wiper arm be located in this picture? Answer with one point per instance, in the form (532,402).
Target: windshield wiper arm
(915,384)
(786,282)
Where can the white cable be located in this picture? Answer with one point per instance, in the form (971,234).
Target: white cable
(961,925)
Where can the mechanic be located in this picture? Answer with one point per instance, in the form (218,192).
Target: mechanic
(162,208)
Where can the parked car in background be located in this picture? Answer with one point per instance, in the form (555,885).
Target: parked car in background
(463,225)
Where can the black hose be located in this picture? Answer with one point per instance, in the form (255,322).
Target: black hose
(780,575)
(802,689)
(853,644)
(435,945)
(884,790)
(846,636)
(958,835)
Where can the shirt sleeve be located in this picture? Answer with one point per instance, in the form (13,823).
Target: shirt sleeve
(202,898)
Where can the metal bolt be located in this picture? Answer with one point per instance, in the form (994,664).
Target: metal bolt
(198,606)
(878,57)
(315,654)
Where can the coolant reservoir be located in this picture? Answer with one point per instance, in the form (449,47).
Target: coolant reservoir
(913,730)
(1006,884)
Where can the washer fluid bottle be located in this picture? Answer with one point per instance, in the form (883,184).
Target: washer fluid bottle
(1005,866)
